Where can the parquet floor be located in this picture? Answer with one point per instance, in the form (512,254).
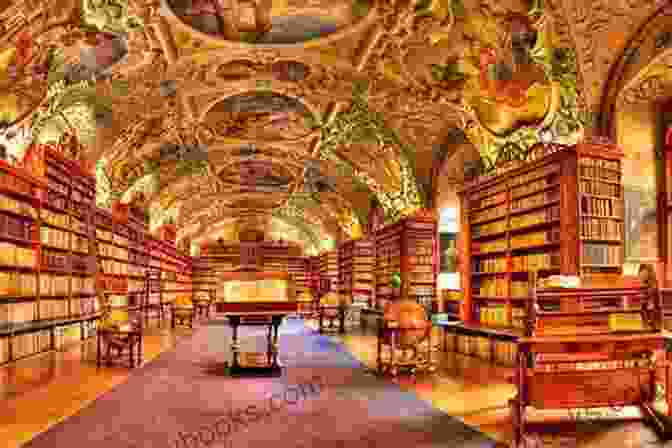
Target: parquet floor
(40,391)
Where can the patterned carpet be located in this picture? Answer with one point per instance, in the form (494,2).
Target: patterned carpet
(324,399)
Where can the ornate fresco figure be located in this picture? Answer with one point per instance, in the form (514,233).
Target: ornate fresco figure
(514,91)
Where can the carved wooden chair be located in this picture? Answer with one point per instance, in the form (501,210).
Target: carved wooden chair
(333,308)
(118,334)
(184,312)
(203,304)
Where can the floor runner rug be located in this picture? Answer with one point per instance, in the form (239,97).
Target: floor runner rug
(325,399)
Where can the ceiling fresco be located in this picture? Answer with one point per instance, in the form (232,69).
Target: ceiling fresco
(260,116)
(268,22)
(307,111)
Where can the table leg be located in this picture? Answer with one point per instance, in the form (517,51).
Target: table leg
(140,349)
(235,321)
(321,313)
(341,317)
(98,348)
(269,347)
(276,324)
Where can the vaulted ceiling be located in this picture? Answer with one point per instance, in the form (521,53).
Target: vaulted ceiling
(299,112)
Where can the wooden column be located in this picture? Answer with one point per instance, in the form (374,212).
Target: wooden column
(464,253)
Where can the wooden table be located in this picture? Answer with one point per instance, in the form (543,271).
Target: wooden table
(270,319)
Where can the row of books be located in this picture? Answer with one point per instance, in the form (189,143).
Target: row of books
(11,182)
(452,307)
(108,250)
(535,238)
(488,214)
(17,313)
(420,248)
(493,315)
(18,207)
(536,200)
(80,244)
(526,178)
(489,265)
(4,350)
(55,219)
(114,267)
(489,228)
(81,198)
(531,187)
(53,309)
(490,246)
(422,273)
(67,335)
(137,258)
(606,229)
(518,317)
(488,201)
(54,285)
(520,288)
(599,188)
(491,287)
(30,344)
(55,238)
(602,169)
(526,220)
(82,285)
(111,283)
(67,262)
(484,348)
(601,254)
(12,255)
(104,235)
(602,207)
(422,290)
(18,284)
(15,227)
(535,261)
(57,200)
(83,306)
(598,365)
(79,226)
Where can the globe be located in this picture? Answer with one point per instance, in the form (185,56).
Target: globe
(410,318)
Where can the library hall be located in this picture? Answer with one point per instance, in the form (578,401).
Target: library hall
(336,223)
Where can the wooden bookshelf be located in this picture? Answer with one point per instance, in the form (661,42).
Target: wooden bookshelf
(561,213)
(410,247)
(298,269)
(314,272)
(356,269)
(329,268)
(46,268)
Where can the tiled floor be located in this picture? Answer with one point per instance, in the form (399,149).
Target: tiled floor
(42,390)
